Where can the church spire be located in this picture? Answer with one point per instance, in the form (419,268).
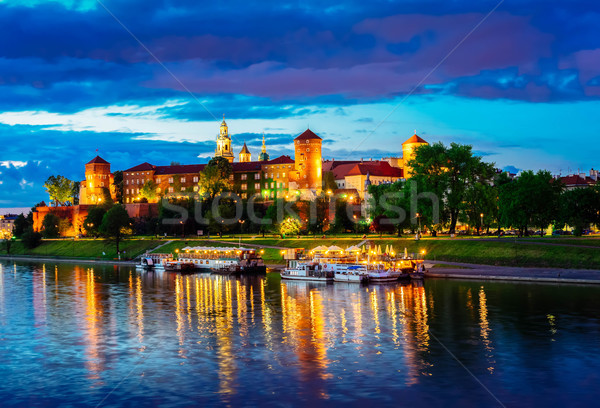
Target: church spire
(263,156)
(264,147)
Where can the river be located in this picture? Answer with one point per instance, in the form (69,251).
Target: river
(82,335)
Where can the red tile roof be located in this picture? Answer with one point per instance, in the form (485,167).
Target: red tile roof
(247,166)
(98,159)
(280,160)
(415,139)
(245,149)
(329,165)
(375,168)
(308,134)
(179,169)
(141,167)
(575,180)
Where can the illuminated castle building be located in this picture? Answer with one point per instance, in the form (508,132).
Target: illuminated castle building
(98,183)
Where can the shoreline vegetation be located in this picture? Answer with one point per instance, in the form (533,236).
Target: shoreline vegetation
(549,252)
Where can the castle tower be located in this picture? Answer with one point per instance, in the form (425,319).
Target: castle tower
(224,143)
(263,156)
(308,161)
(408,151)
(245,155)
(98,182)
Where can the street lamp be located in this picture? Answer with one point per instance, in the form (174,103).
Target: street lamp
(481,216)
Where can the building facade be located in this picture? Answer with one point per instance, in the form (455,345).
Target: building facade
(99,182)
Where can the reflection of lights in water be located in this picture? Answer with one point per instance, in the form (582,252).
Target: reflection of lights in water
(357,318)
(420,314)
(224,326)
(240,297)
(266,315)
(92,312)
(552,322)
(393,316)
(485,328)
(140,310)
(344,324)
(188,299)
(251,305)
(375,311)
(2,293)
(178,313)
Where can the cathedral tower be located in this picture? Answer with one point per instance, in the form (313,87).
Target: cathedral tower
(224,143)
(263,156)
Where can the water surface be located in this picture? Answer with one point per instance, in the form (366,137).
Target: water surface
(76,335)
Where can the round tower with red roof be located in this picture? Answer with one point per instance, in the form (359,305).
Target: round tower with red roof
(408,151)
(98,179)
(308,161)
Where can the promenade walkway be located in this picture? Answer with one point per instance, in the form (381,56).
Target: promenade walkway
(458,270)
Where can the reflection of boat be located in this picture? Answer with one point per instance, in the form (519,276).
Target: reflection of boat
(305,270)
(179,266)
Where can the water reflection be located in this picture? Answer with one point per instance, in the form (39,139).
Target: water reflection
(236,336)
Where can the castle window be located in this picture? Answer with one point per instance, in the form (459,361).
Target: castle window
(170,180)
(266,185)
(277,175)
(272,185)
(195,179)
(158,189)
(244,176)
(102,184)
(195,188)
(231,177)
(307,141)
(158,180)
(305,176)
(271,175)
(256,176)
(257,186)
(308,149)
(244,195)
(138,191)
(170,189)
(127,182)
(283,175)
(183,179)
(127,191)
(244,187)
(182,188)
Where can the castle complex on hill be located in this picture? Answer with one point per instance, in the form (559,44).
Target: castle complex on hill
(276,178)
(281,177)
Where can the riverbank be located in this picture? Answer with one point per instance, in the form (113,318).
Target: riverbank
(67,260)
(459,270)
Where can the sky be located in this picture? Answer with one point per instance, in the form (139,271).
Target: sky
(149,80)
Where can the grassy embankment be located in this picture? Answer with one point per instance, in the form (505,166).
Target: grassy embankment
(504,252)
(82,249)
(507,252)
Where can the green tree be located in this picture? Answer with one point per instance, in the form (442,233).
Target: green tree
(212,183)
(390,203)
(148,190)
(329,183)
(119,185)
(579,208)
(60,189)
(94,220)
(342,221)
(532,199)
(50,226)
(21,225)
(449,172)
(222,164)
(107,201)
(289,227)
(31,239)
(116,224)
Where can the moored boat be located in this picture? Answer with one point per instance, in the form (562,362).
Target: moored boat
(224,260)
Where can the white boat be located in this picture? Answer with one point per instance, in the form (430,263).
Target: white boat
(307,271)
(226,260)
(350,273)
(150,261)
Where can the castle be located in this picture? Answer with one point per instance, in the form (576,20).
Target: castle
(281,177)
(277,178)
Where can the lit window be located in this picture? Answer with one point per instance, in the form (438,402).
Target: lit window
(272,185)
(244,187)
(257,186)
(231,177)
(170,189)
(195,188)
(256,176)
(158,189)
(195,179)
(266,185)
(182,188)
(244,195)
(138,191)
(283,175)
(183,179)
(277,175)
(308,149)
(158,180)
(171,180)
(127,191)
(244,176)
(127,182)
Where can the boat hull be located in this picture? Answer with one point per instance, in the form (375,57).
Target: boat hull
(307,278)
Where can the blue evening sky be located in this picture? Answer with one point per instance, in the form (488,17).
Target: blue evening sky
(523,88)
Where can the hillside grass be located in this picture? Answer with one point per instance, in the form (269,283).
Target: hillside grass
(82,249)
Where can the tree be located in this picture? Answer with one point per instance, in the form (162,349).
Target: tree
(389,203)
(579,208)
(449,172)
(118,181)
(60,189)
(94,220)
(532,199)
(148,190)
(116,224)
(31,239)
(342,221)
(211,182)
(50,226)
(329,183)
(223,165)
(21,225)
(290,226)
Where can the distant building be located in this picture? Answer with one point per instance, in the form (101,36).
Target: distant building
(580,180)
(224,143)
(7,221)
(245,155)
